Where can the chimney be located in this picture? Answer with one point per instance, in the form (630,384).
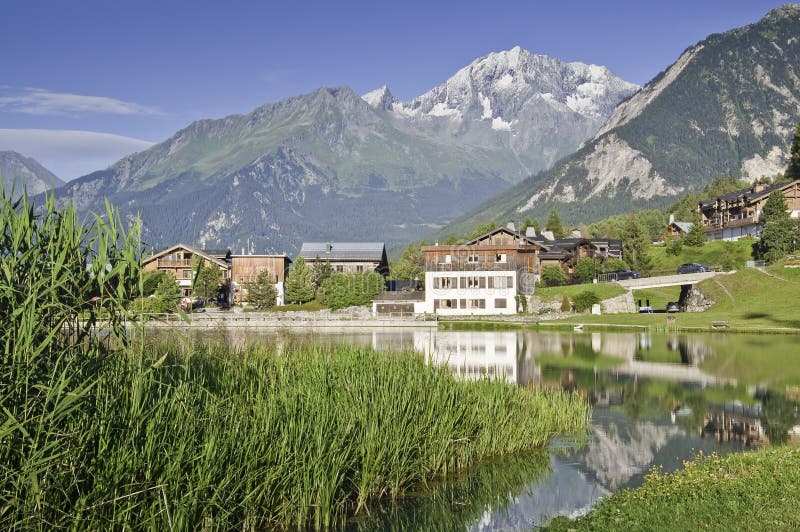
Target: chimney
(672,218)
(548,235)
(328,247)
(510,226)
(530,232)
(577,234)
(758,186)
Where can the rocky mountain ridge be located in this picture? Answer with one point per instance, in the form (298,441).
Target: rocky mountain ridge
(18,171)
(332,164)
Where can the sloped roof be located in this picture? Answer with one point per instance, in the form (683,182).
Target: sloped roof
(747,193)
(371,251)
(187,248)
(684,226)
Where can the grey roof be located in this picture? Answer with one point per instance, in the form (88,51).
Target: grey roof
(406,295)
(684,226)
(748,194)
(372,251)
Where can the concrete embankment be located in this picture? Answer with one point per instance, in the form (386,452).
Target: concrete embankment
(288,320)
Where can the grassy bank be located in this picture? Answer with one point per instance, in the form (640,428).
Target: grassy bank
(748,300)
(256,439)
(749,491)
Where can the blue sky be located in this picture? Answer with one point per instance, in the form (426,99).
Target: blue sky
(139,71)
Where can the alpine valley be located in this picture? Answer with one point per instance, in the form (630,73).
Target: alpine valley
(727,107)
(334,165)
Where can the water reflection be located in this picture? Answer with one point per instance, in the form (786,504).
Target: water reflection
(658,399)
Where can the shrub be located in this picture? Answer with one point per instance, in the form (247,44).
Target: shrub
(566,306)
(585,300)
(612,264)
(674,248)
(351,289)
(586,269)
(553,276)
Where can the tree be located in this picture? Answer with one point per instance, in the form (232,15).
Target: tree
(636,244)
(553,276)
(554,225)
(320,271)
(779,233)
(411,264)
(674,247)
(151,280)
(167,294)
(207,278)
(299,283)
(586,269)
(482,228)
(793,170)
(261,293)
(612,264)
(351,289)
(696,237)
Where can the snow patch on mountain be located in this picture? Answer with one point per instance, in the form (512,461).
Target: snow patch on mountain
(633,107)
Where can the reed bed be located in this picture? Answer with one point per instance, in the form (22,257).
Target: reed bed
(179,438)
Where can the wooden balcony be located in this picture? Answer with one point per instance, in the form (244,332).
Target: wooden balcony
(167,263)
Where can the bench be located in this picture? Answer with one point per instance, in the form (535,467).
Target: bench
(719,324)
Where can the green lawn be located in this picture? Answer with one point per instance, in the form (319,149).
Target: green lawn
(658,297)
(745,491)
(556,293)
(748,299)
(714,253)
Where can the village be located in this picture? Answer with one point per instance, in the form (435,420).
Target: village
(494,273)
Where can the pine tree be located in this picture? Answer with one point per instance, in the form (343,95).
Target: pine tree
(696,236)
(554,224)
(636,244)
(261,293)
(299,284)
(320,270)
(793,170)
(779,234)
(207,278)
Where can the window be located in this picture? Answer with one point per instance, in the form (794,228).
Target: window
(444,303)
(500,303)
(444,282)
(359,268)
(187,274)
(477,303)
(473,282)
(500,257)
(473,258)
(339,268)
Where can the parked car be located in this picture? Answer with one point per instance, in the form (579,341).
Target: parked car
(622,275)
(673,306)
(693,267)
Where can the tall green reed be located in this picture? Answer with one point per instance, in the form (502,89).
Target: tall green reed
(55,274)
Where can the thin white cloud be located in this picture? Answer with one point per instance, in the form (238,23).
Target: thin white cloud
(37,101)
(70,154)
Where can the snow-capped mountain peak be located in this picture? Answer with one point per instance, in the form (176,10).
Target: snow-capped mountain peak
(498,86)
(380,98)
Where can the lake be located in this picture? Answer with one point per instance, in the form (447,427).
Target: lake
(658,399)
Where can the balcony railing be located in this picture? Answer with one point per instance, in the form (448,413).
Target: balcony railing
(465,266)
(171,263)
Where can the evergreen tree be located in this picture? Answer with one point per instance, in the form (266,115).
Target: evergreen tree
(636,244)
(779,234)
(299,284)
(207,278)
(537,226)
(554,225)
(696,236)
(320,271)
(166,295)
(411,264)
(261,293)
(793,170)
